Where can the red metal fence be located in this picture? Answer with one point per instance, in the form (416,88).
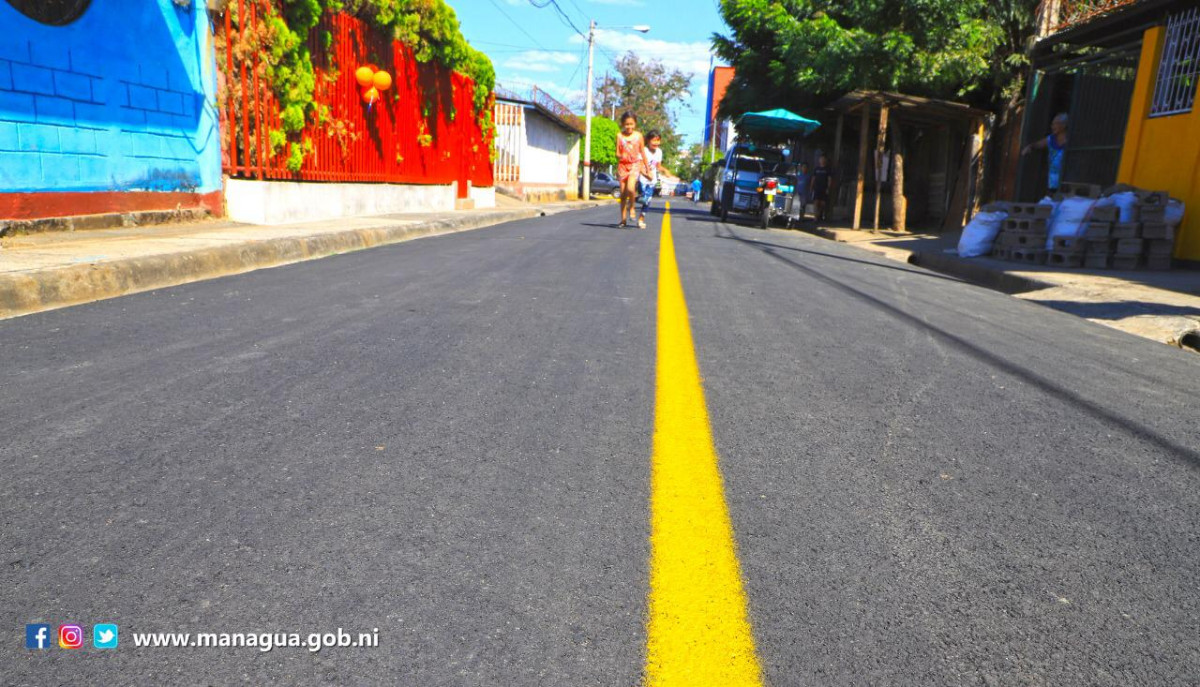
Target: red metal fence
(423,130)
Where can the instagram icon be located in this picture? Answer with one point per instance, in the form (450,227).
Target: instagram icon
(70,636)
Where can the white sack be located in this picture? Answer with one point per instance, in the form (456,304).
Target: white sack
(1126,202)
(980,233)
(1070,219)
(1174,213)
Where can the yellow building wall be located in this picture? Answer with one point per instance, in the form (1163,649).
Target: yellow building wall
(1163,153)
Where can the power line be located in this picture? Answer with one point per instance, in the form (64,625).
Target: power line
(562,16)
(578,67)
(519,27)
(580,10)
(506,45)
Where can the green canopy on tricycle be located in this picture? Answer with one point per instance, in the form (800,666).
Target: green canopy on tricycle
(776,122)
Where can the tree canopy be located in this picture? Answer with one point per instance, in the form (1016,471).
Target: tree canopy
(604,141)
(797,53)
(650,90)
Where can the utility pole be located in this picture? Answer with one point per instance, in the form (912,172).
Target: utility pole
(587,120)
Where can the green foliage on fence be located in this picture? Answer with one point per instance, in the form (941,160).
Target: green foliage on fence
(429,27)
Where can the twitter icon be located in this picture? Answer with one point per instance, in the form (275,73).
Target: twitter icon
(104,636)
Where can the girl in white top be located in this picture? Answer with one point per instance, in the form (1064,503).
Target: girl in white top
(654,157)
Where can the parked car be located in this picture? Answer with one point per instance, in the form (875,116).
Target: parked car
(603,184)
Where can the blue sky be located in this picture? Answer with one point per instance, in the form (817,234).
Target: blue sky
(531,46)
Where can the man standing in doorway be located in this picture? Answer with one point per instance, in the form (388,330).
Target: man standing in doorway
(1056,143)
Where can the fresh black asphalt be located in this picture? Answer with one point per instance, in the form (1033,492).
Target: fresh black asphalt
(449,440)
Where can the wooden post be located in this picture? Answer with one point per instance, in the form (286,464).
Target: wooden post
(899,201)
(837,157)
(837,141)
(880,151)
(983,131)
(862,163)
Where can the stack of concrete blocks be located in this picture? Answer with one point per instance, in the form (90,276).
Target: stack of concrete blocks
(1073,190)
(1023,236)
(1147,242)
(1098,237)
(1157,235)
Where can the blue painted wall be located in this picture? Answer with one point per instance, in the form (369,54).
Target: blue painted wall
(122,99)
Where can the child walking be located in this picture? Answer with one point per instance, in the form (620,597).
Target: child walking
(631,163)
(654,157)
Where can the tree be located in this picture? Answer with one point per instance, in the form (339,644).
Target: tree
(604,142)
(796,53)
(694,163)
(649,90)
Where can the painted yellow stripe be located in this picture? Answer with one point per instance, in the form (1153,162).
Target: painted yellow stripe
(698,633)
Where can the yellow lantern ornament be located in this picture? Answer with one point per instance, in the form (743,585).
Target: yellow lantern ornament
(365,76)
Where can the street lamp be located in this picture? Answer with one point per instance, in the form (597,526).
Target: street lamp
(587,120)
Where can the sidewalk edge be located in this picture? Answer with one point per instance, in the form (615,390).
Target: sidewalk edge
(980,275)
(49,289)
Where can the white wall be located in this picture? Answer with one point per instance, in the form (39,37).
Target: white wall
(546,157)
(284,202)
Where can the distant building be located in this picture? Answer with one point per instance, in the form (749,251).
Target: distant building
(722,130)
(537,147)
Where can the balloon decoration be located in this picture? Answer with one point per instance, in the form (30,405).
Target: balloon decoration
(373,83)
(364,76)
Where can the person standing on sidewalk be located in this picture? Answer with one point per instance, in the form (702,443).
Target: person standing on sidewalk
(803,190)
(822,184)
(1056,143)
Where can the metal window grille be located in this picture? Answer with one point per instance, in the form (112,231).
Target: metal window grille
(1175,89)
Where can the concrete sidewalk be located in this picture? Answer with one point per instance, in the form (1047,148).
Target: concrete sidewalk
(1159,305)
(56,269)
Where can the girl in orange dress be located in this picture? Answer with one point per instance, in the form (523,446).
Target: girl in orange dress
(631,165)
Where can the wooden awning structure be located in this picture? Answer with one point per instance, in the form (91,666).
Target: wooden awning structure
(909,108)
(901,109)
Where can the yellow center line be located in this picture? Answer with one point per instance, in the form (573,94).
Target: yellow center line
(698,633)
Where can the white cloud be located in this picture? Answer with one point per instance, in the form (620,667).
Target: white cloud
(691,58)
(543,61)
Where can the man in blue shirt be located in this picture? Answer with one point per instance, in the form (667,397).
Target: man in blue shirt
(1056,143)
(696,190)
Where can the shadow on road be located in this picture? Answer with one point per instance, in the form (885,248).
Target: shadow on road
(1185,453)
(1119,310)
(729,235)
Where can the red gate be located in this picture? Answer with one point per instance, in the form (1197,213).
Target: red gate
(423,131)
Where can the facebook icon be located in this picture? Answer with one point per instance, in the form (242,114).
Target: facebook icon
(37,636)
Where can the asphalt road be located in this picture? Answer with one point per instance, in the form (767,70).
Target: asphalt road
(449,440)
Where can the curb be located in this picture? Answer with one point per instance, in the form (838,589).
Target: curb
(980,275)
(37,291)
(954,266)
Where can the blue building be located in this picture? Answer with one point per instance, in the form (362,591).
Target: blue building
(107,108)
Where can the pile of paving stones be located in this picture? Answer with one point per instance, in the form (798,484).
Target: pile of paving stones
(1106,242)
